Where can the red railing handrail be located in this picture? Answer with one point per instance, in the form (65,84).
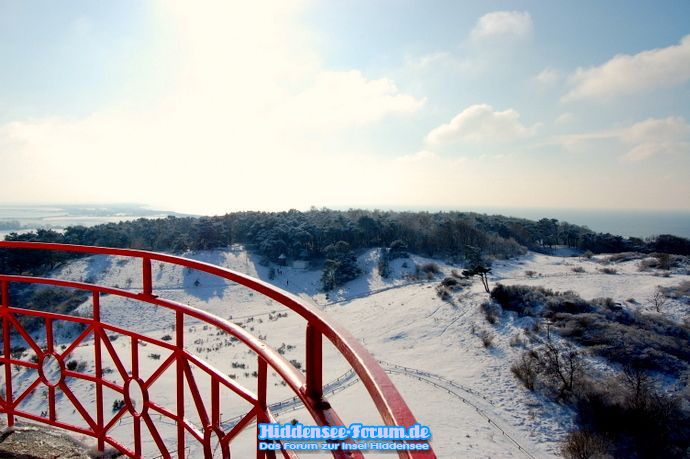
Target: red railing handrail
(387,399)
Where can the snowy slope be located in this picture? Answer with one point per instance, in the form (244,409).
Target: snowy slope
(463,391)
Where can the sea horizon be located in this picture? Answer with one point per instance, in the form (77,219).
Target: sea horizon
(623,222)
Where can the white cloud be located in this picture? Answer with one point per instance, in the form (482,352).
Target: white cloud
(626,74)
(672,128)
(655,137)
(479,124)
(345,98)
(548,77)
(565,118)
(503,23)
(646,150)
(251,103)
(641,140)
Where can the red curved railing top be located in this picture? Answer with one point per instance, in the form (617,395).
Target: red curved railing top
(49,362)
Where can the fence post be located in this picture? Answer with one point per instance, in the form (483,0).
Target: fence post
(7,350)
(179,341)
(146,275)
(262,386)
(314,363)
(99,368)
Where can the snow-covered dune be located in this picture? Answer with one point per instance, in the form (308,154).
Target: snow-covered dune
(462,390)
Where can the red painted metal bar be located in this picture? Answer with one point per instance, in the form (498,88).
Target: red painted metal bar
(196,395)
(314,363)
(261,387)
(156,436)
(293,377)
(390,404)
(52,411)
(215,404)
(116,359)
(132,408)
(7,350)
(146,276)
(96,306)
(17,326)
(179,353)
(244,422)
(77,341)
(49,335)
(27,391)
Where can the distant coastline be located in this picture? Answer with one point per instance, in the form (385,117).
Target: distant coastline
(629,223)
(22,218)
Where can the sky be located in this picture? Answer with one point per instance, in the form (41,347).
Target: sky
(214,106)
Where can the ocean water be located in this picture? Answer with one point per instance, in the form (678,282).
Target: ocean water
(635,223)
(23,218)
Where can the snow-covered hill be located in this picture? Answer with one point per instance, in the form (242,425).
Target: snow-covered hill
(463,390)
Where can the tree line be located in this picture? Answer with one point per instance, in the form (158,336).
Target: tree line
(311,235)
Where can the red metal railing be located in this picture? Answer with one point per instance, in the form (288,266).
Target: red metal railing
(208,431)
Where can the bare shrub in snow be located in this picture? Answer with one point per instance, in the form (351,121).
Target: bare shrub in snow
(583,444)
(523,299)
(664,260)
(557,367)
(443,292)
(487,337)
(517,341)
(428,268)
(679,292)
(450,282)
(657,300)
(118,404)
(623,257)
(562,365)
(638,420)
(526,369)
(492,311)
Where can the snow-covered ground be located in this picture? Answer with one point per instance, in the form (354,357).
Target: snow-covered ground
(461,389)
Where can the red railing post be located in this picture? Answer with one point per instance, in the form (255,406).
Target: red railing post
(215,403)
(52,409)
(262,386)
(7,350)
(179,341)
(314,363)
(99,369)
(136,418)
(146,276)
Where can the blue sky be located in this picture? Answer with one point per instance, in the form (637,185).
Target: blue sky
(215,106)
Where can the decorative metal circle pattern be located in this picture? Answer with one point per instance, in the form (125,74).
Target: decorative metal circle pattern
(213,446)
(136,396)
(51,369)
